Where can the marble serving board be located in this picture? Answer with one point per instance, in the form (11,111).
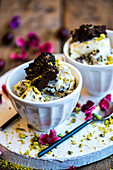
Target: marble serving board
(84,151)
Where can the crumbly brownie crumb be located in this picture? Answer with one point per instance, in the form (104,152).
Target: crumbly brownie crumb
(87,32)
(42,70)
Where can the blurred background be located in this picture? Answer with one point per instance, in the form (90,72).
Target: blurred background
(46,18)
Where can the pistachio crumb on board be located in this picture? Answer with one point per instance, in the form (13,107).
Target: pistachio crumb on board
(70,152)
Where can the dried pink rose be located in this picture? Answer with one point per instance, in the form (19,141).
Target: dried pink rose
(15,22)
(20,42)
(73,168)
(108,97)
(46,47)
(33,40)
(13,56)
(5,90)
(44,138)
(0,152)
(104,102)
(88,113)
(0,98)
(21,56)
(48,138)
(88,108)
(88,116)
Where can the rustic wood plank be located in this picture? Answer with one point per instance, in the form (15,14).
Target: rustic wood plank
(78,12)
(37,16)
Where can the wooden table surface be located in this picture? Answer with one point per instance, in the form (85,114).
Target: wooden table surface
(45,17)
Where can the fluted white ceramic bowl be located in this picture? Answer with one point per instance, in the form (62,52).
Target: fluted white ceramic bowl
(97,80)
(44,115)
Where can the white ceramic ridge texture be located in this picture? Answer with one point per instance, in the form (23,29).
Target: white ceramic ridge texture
(44,115)
(97,80)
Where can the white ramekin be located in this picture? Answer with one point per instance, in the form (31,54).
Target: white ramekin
(43,115)
(97,80)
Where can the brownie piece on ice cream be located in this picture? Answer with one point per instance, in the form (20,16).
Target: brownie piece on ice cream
(87,32)
(42,70)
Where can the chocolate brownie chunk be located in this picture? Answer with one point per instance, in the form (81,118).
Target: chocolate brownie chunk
(87,32)
(42,70)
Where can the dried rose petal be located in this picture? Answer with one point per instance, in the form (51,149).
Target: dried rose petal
(0,152)
(5,90)
(15,22)
(78,105)
(8,37)
(33,40)
(52,133)
(21,56)
(13,56)
(20,42)
(88,116)
(0,98)
(47,47)
(48,138)
(108,97)
(86,106)
(44,138)
(88,113)
(104,102)
(73,168)
(54,139)
(90,110)
(63,33)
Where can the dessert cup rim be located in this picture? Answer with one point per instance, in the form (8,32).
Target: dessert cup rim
(81,64)
(76,91)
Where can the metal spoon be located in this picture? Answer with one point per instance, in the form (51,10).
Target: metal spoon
(102,115)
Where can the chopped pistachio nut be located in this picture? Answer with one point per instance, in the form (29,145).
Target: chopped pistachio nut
(73,142)
(89,136)
(73,114)
(67,131)
(97,116)
(111,138)
(102,35)
(109,58)
(81,150)
(27,152)
(22,142)
(109,121)
(70,152)
(102,135)
(80,145)
(20,129)
(73,120)
(49,152)
(22,135)
(77,110)
(68,123)
(6,165)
